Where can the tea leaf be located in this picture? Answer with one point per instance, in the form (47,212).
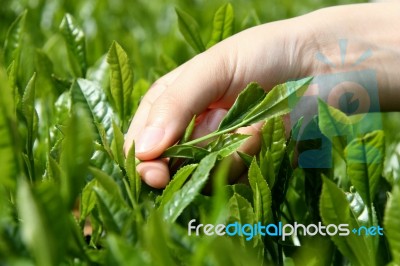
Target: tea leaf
(188,131)
(227,144)
(391,223)
(134,178)
(89,95)
(113,211)
(223,24)
(279,101)
(88,200)
(107,183)
(121,80)
(334,123)
(75,40)
(190,190)
(365,157)
(12,45)
(186,151)
(274,142)
(9,163)
(176,183)
(28,109)
(117,145)
(247,100)
(190,30)
(261,194)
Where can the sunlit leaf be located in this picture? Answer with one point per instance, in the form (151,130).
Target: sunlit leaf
(121,80)
(365,157)
(189,191)
(222,25)
(176,184)
(76,45)
(261,194)
(190,30)
(12,45)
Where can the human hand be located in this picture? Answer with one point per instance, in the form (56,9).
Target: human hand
(269,54)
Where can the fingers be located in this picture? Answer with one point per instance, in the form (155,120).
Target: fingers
(168,111)
(154,173)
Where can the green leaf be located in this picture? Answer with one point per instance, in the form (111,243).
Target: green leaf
(89,95)
(88,200)
(190,190)
(12,45)
(176,184)
(249,109)
(190,30)
(121,252)
(77,148)
(334,123)
(43,222)
(273,142)
(188,131)
(9,163)
(28,110)
(279,101)
(186,151)
(121,80)
(117,145)
(113,211)
(227,144)
(76,46)
(391,223)
(223,24)
(247,100)
(365,157)
(335,209)
(134,179)
(240,211)
(261,194)
(107,183)
(247,159)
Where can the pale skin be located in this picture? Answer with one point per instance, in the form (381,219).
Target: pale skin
(269,54)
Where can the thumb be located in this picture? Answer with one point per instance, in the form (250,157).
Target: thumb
(201,83)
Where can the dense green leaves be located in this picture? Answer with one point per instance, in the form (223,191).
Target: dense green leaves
(222,25)
(190,30)
(66,176)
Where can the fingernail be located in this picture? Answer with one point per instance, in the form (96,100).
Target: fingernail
(214,118)
(149,139)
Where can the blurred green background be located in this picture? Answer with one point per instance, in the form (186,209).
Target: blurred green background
(147,30)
